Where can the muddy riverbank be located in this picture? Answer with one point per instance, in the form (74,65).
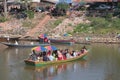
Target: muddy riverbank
(57,32)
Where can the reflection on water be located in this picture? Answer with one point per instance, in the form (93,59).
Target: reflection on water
(49,72)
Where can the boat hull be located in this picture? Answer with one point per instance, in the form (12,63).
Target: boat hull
(57,41)
(70,42)
(23,45)
(43,63)
(3,39)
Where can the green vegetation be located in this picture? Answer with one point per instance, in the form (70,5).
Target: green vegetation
(30,14)
(54,23)
(62,5)
(57,22)
(60,9)
(28,24)
(2,19)
(99,26)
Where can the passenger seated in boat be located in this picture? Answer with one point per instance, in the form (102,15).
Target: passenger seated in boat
(60,56)
(49,52)
(38,58)
(55,54)
(84,49)
(32,57)
(63,53)
(68,55)
(45,57)
(51,57)
(74,53)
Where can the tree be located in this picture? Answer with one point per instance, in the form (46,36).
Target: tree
(61,8)
(5,8)
(26,2)
(62,5)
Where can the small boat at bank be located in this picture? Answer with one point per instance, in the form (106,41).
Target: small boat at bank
(56,41)
(24,45)
(43,63)
(62,41)
(8,38)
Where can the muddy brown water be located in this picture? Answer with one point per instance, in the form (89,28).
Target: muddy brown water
(102,63)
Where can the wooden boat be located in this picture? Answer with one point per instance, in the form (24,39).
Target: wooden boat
(43,63)
(57,41)
(62,41)
(23,45)
(6,38)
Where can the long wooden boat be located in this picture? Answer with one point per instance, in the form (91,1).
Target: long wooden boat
(43,63)
(24,45)
(6,38)
(62,41)
(57,41)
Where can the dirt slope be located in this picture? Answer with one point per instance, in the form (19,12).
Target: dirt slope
(36,30)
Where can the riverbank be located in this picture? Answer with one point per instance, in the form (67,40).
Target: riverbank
(65,26)
(78,39)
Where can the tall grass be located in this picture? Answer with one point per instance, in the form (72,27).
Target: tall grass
(99,25)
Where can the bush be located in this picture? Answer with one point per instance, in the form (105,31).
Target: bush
(60,9)
(109,16)
(2,19)
(30,14)
(62,5)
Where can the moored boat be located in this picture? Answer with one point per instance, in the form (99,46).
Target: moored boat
(24,45)
(57,41)
(43,63)
(8,38)
(62,41)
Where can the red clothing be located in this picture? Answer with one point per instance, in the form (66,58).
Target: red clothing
(45,39)
(49,53)
(64,57)
(60,58)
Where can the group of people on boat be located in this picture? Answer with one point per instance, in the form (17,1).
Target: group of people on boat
(55,55)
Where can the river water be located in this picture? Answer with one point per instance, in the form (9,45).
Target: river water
(102,63)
